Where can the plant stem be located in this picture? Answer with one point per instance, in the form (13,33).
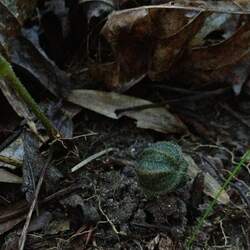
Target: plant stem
(7,73)
(236,170)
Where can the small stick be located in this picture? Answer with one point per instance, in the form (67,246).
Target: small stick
(152,226)
(23,236)
(109,221)
(236,115)
(50,198)
(91,158)
(194,97)
(11,138)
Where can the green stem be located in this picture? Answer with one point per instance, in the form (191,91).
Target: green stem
(7,73)
(236,170)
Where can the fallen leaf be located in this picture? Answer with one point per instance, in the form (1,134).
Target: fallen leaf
(106,103)
(227,62)
(198,43)
(155,37)
(29,60)
(14,151)
(211,185)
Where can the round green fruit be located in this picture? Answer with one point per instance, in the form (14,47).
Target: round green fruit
(161,168)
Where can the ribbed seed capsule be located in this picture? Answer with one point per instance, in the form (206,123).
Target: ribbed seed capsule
(161,168)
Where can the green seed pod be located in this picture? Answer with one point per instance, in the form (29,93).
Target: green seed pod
(161,168)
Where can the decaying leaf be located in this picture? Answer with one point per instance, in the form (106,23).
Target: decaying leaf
(27,58)
(155,37)
(211,185)
(228,61)
(106,103)
(195,45)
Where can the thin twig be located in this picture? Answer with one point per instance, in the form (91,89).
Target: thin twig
(23,236)
(79,136)
(191,8)
(91,158)
(53,197)
(246,236)
(194,97)
(236,115)
(217,147)
(223,233)
(152,226)
(61,193)
(174,89)
(109,221)
(12,137)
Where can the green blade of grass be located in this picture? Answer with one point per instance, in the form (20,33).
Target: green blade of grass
(236,170)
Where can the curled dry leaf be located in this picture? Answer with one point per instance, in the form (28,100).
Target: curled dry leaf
(155,38)
(177,43)
(106,103)
(228,61)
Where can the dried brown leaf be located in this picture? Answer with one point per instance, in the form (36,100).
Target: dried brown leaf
(106,103)
(211,185)
(177,42)
(227,62)
(147,40)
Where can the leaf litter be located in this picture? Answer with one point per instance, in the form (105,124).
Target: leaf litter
(191,49)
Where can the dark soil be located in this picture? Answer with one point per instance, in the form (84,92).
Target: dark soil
(110,211)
